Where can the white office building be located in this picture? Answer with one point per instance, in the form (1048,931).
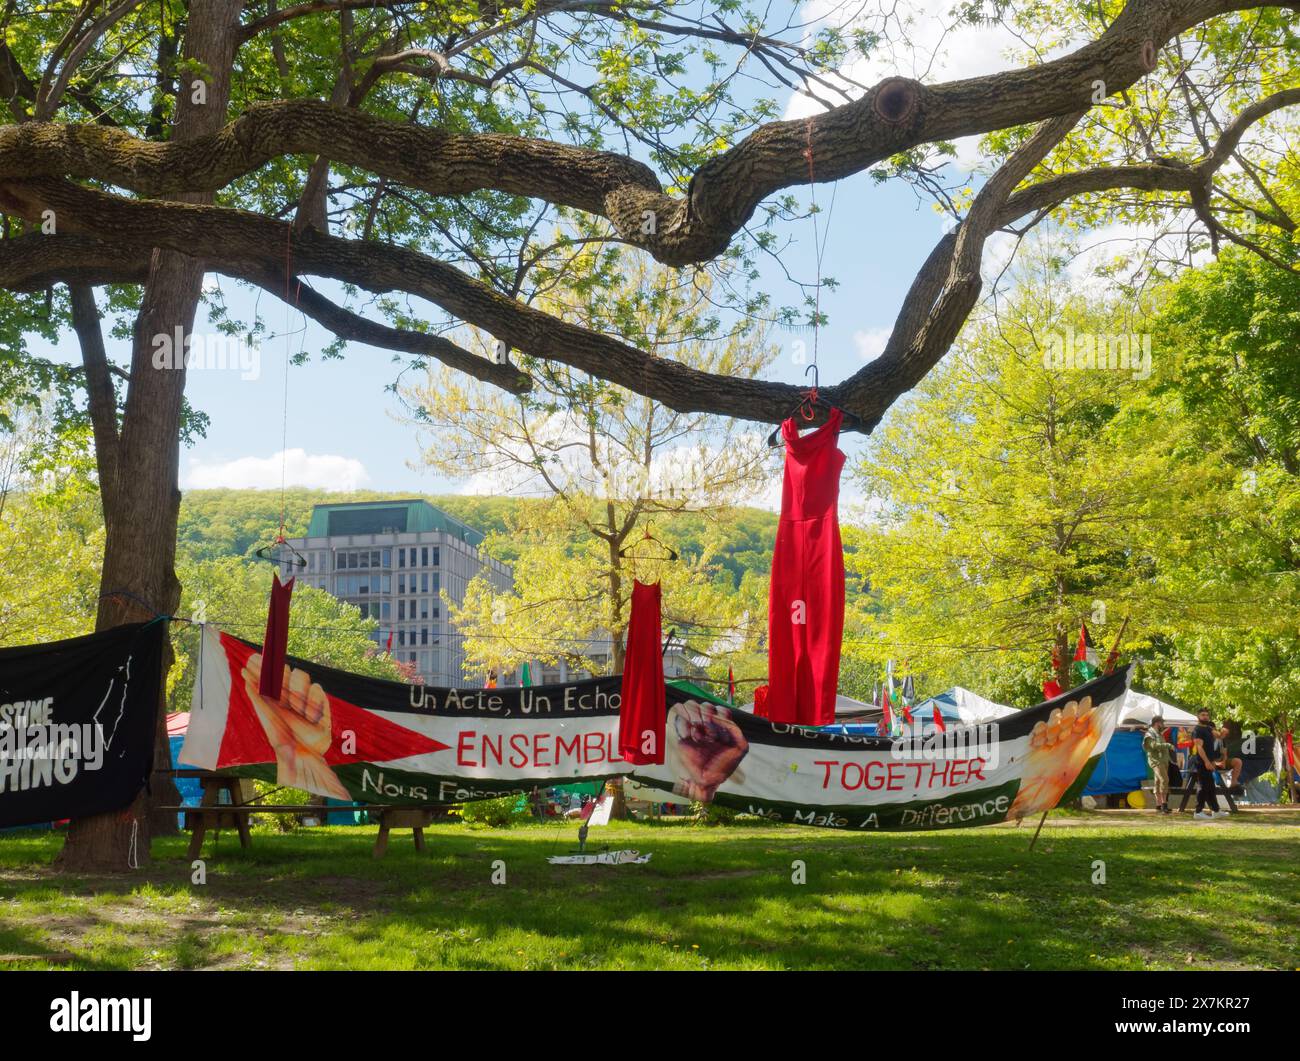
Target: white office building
(393,559)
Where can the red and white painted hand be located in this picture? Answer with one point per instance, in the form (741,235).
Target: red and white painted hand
(1058,750)
(298,727)
(704,748)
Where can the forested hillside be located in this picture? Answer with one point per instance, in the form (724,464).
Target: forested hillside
(217,523)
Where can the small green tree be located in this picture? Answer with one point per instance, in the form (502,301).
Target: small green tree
(609,463)
(232,593)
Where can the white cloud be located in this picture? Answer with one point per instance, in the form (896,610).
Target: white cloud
(925,48)
(920,41)
(870,342)
(294,467)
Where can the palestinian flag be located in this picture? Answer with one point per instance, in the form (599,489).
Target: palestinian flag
(1086,665)
(525,676)
(909,698)
(886,717)
(731,686)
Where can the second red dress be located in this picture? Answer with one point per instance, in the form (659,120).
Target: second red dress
(643,706)
(805,615)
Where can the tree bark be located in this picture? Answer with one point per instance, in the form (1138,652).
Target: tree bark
(139,478)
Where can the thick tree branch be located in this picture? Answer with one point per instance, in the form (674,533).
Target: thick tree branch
(895,115)
(36,262)
(1166,175)
(931,319)
(101,398)
(52,87)
(236,241)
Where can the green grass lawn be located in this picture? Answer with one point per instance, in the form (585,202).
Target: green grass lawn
(712,898)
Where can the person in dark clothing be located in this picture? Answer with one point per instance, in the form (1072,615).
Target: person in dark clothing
(1224,759)
(1203,740)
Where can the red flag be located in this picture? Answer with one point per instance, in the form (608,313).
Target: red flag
(388,648)
(1051,689)
(275,644)
(731,686)
(938,720)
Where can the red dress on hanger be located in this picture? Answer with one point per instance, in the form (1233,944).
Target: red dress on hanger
(805,614)
(276,642)
(643,706)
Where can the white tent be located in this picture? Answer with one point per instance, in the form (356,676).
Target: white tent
(1139,707)
(964,706)
(973,708)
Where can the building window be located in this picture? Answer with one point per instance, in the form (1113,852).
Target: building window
(435,556)
(401,557)
(401,611)
(424,556)
(388,559)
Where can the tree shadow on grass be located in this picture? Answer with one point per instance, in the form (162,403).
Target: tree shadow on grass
(726,898)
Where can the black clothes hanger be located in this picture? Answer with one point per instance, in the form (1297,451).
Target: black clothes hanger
(264,553)
(808,407)
(648,537)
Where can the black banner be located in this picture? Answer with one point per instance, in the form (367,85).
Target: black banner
(77,723)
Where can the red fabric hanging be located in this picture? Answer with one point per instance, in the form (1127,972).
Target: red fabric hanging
(643,705)
(805,614)
(275,645)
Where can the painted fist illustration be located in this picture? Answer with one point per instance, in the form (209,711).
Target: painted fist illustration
(298,727)
(1058,750)
(704,747)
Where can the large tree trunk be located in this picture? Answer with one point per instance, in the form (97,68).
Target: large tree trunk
(139,469)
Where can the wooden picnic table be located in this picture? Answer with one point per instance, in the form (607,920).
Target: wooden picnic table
(211,813)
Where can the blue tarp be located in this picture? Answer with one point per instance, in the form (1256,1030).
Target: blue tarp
(853,729)
(341,817)
(190,788)
(1123,765)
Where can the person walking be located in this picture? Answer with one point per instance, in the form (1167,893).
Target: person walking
(1158,751)
(1203,740)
